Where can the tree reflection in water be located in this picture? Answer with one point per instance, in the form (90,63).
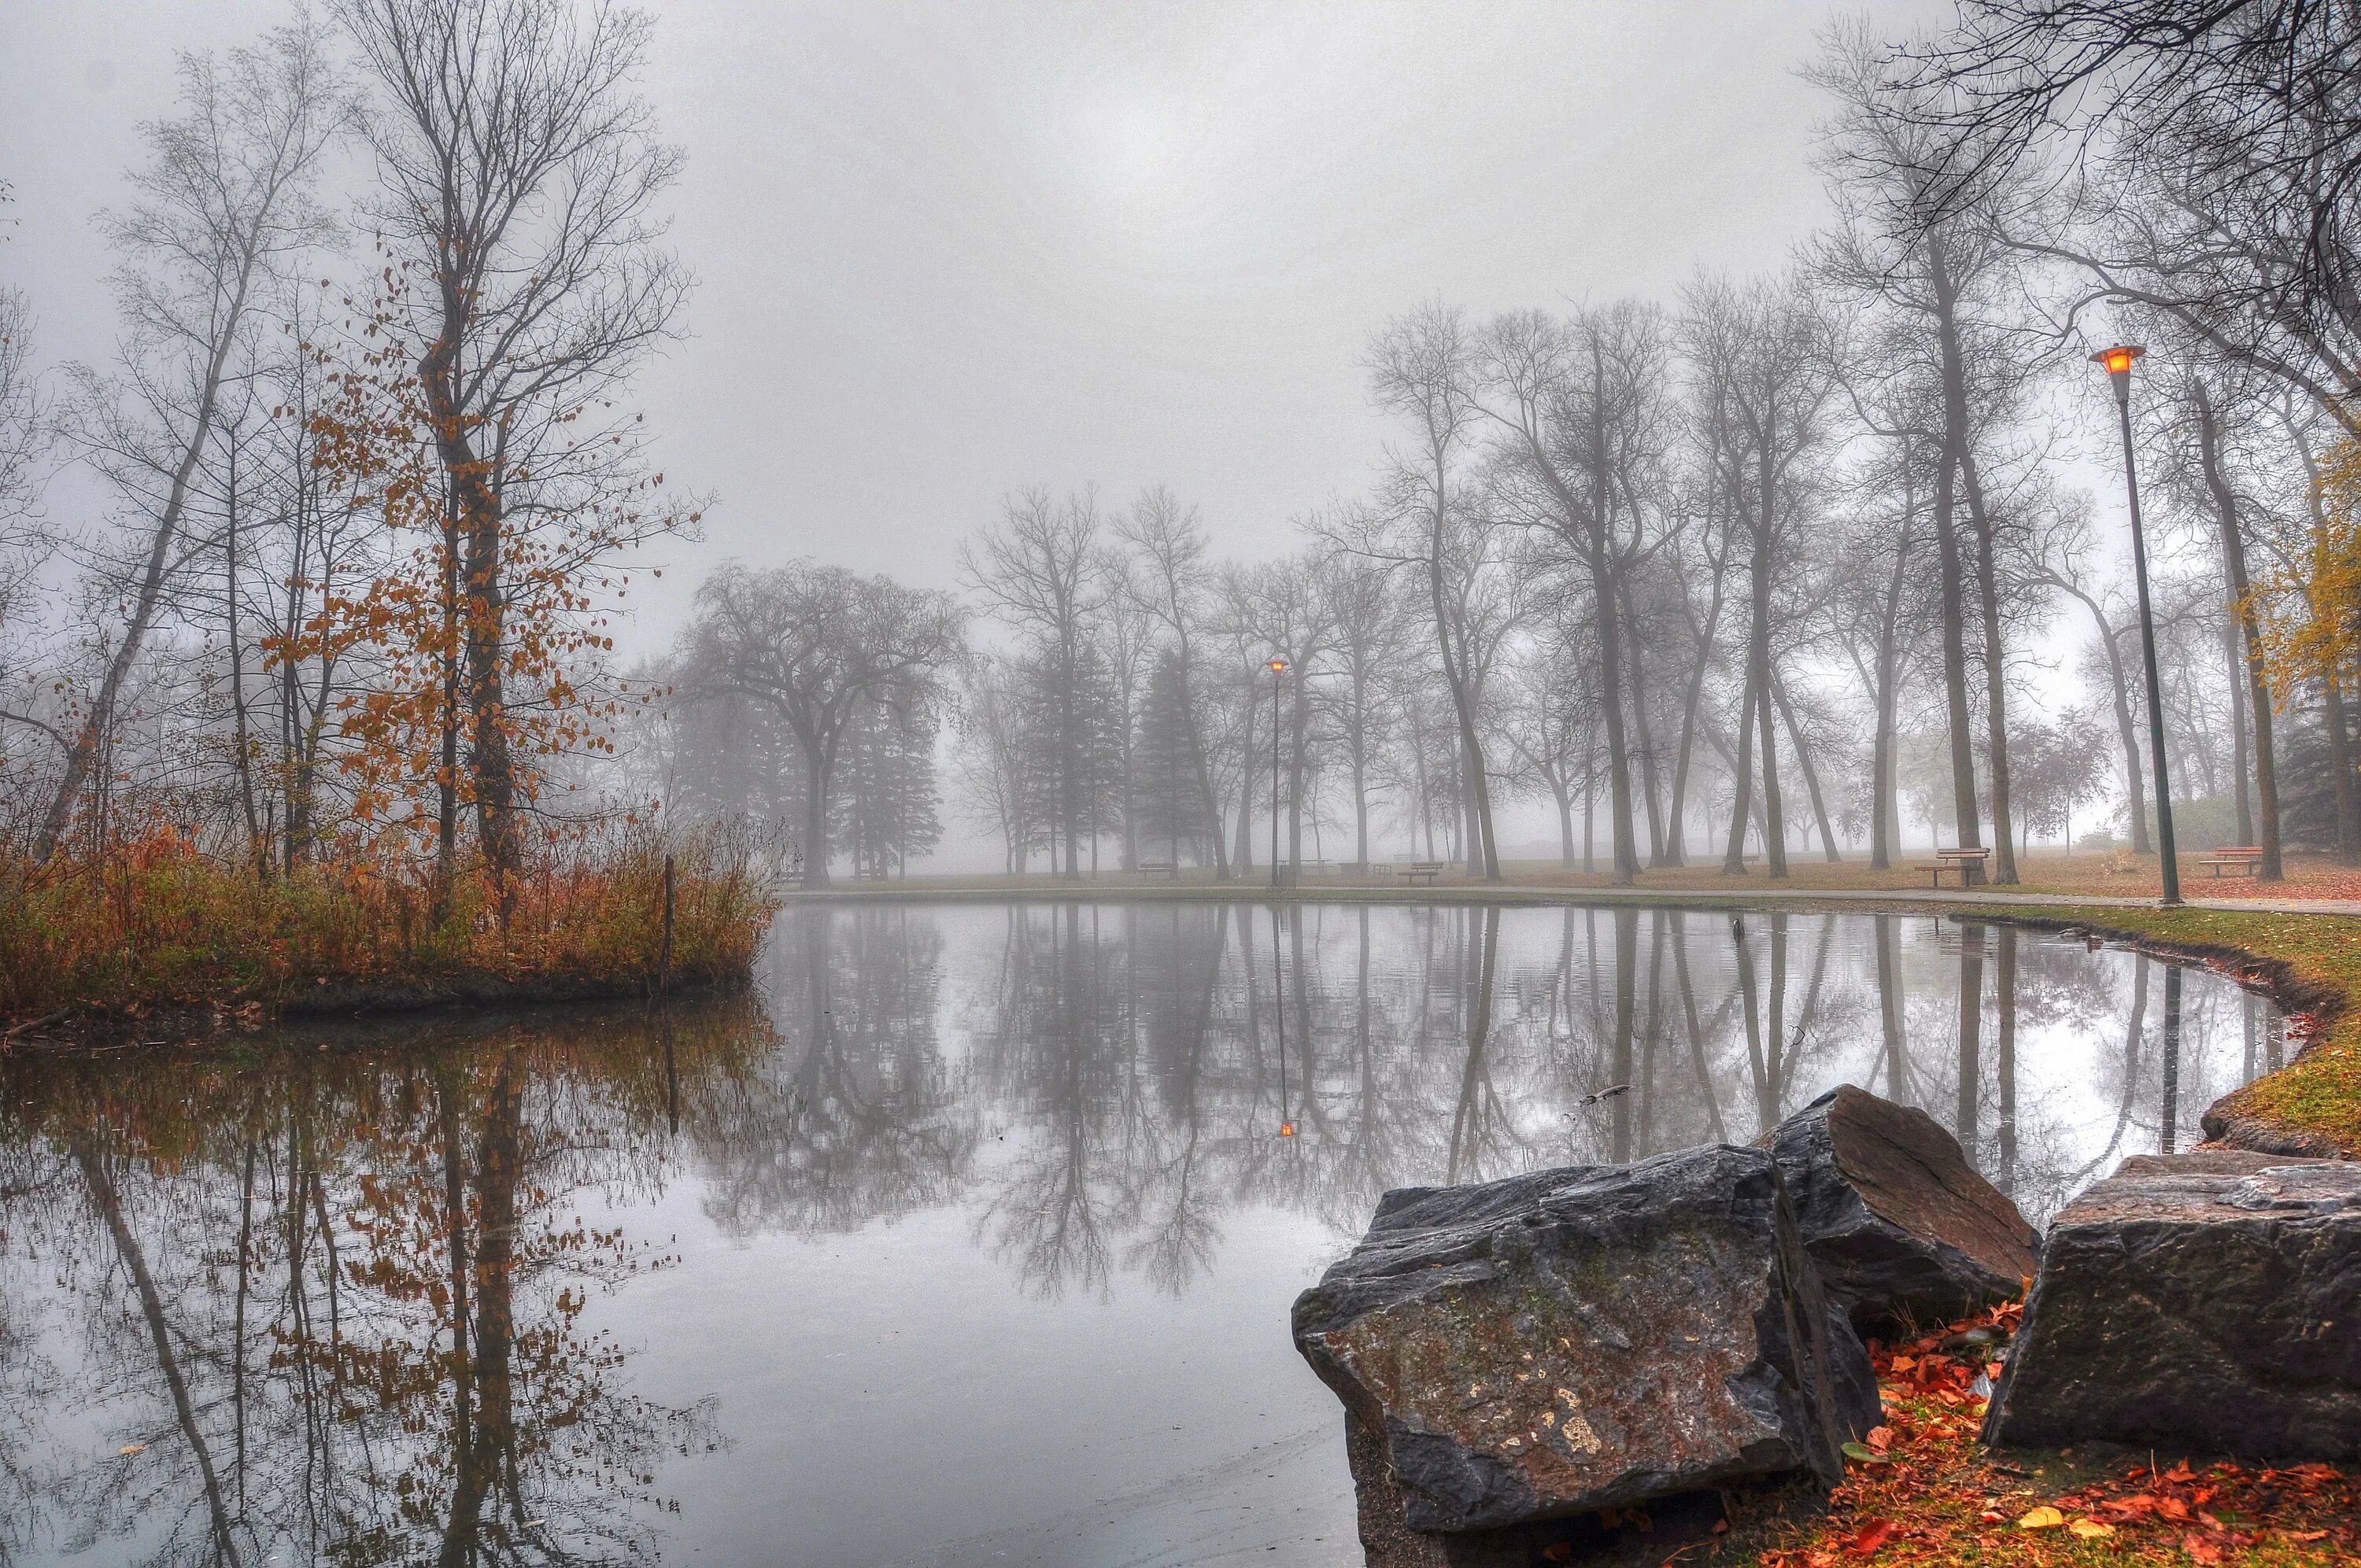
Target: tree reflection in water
(327,1301)
(333,1296)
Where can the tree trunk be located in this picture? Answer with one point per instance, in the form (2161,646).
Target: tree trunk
(1951,579)
(815,851)
(1811,774)
(1733,859)
(258,850)
(2241,608)
(1677,808)
(1883,796)
(1647,747)
(2340,760)
(1995,671)
(484,617)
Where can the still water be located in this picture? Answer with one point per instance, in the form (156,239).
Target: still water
(968,1238)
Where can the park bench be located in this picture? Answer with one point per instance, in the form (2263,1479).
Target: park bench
(1158,867)
(2246,856)
(1957,860)
(1424,871)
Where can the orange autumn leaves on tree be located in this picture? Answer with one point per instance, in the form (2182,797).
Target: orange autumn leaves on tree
(2311,607)
(413,622)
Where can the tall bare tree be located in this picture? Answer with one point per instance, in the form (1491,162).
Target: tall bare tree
(1045,569)
(225,207)
(1422,369)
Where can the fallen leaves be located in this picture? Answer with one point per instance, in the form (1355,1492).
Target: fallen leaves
(1920,1490)
(1872,1536)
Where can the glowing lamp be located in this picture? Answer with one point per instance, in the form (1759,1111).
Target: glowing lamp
(2117,363)
(1287,1129)
(1277,667)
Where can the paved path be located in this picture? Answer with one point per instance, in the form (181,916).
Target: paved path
(1516,892)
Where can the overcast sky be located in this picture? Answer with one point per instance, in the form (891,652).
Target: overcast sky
(944,251)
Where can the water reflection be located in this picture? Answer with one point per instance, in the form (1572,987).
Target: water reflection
(354,1297)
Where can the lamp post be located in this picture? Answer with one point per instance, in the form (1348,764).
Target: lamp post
(2117,362)
(1277,667)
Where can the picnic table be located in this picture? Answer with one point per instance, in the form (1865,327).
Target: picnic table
(1957,860)
(2246,856)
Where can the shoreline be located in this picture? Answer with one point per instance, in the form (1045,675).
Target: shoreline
(1901,900)
(2310,1106)
(175,1025)
(2255,1116)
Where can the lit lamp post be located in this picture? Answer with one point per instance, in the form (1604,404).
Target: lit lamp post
(2118,364)
(1277,667)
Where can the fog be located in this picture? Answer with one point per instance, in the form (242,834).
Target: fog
(945,250)
(902,432)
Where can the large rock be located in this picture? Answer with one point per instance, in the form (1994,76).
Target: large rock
(2207,1301)
(1587,1338)
(1900,1223)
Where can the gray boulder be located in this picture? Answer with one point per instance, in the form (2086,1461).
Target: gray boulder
(1901,1225)
(2207,1302)
(1585,1338)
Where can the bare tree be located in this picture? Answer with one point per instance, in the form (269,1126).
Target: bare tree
(1170,577)
(1769,355)
(1045,569)
(1582,409)
(225,207)
(821,647)
(2222,136)
(1422,369)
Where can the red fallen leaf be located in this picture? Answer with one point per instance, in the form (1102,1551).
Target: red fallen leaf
(1872,1536)
(2180,1472)
(2300,1536)
(2200,1551)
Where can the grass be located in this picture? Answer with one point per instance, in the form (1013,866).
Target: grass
(159,924)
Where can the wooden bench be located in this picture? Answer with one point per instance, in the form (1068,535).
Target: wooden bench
(2246,856)
(1427,871)
(1158,867)
(1957,860)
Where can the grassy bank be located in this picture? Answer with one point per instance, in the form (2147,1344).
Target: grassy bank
(2312,966)
(160,926)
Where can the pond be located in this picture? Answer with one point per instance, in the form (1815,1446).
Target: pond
(968,1238)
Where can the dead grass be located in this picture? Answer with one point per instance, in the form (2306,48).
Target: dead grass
(159,924)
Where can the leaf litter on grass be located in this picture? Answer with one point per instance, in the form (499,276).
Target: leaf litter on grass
(1930,1492)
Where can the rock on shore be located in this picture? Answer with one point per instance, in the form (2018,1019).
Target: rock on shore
(1899,1222)
(1585,1338)
(2208,1301)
